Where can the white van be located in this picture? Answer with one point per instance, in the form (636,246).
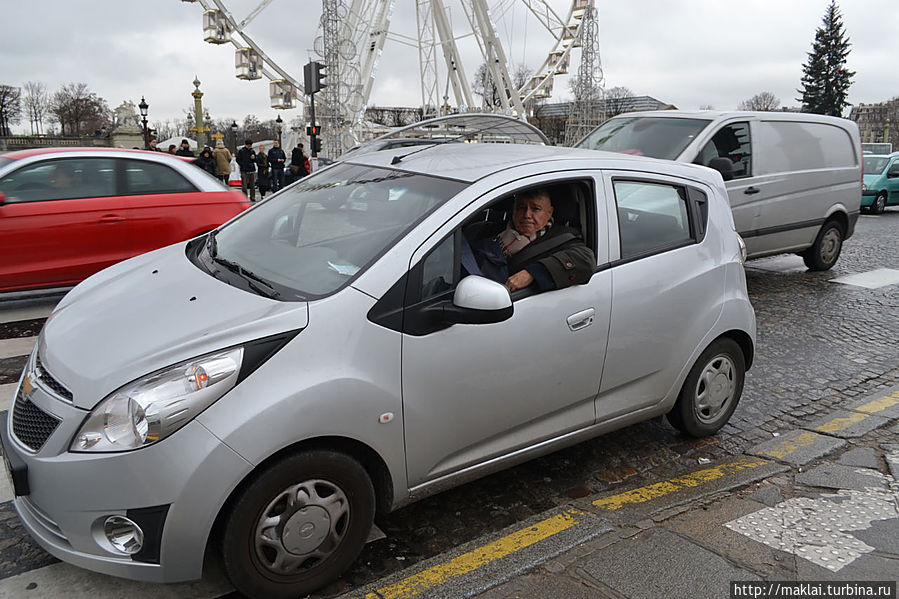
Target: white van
(793,179)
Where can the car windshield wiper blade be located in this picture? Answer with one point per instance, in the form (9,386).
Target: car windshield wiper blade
(253,280)
(212,244)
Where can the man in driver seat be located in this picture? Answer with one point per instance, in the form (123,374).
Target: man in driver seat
(531,247)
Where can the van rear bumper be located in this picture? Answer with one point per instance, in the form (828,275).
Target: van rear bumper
(853,218)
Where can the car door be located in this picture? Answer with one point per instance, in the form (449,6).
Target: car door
(473,393)
(667,278)
(61,222)
(164,207)
(892,182)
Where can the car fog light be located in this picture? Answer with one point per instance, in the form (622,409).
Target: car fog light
(123,534)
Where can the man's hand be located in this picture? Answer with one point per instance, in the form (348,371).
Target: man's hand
(519,280)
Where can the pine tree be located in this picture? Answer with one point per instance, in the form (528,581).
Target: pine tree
(825,79)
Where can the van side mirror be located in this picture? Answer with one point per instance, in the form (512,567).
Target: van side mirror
(477,301)
(893,173)
(723,166)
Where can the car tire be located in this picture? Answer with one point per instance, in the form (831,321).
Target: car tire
(827,247)
(298,525)
(880,203)
(712,390)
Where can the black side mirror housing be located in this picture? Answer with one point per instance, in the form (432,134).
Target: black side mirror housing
(723,166)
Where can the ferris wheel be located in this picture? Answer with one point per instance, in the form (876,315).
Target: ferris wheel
(453,39)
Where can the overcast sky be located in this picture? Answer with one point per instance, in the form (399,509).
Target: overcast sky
(688,53)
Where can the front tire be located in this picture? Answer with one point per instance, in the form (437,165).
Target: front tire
(712,390)
(298,525)
(880,203)
(827,247)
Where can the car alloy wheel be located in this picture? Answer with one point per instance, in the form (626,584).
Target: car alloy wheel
(880,203)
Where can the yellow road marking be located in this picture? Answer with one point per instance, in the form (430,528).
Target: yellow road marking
(838,424)
(465,563)
(788,446)
(879,404)
(674,485)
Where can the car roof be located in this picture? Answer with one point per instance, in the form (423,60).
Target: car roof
(713,115)
(470,162)
(21,154)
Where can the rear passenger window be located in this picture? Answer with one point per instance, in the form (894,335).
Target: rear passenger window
(651,217)
(143,178)
(62,179)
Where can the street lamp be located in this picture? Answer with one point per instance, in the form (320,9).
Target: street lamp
(278,123)
(207,120)
(234,134)
(143,114)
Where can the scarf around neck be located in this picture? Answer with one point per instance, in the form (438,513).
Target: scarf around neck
(512,242)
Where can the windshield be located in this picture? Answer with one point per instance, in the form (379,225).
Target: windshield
(658,137)
(316,236)
(874,165)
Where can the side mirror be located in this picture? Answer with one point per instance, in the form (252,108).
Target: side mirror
(723,166)
(478,301)
(893,173)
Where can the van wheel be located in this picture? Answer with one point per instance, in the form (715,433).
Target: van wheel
(298,525)
(880,203)
(824,252)
(712,390)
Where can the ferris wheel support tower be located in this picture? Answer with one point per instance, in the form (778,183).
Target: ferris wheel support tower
(588,106)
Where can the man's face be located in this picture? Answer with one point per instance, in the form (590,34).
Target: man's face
(531,214)
(277,144)
(185,146)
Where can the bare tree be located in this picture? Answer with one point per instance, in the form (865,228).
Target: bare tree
(618,100)
(706,107)
(37,101)
(764,101)
(10,107)
(79,110)
(484,86)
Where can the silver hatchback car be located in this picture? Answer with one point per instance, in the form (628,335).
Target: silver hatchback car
(340,348)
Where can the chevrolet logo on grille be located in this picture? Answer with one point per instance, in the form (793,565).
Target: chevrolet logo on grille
(27,387)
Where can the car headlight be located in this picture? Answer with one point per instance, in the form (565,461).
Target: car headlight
(155,406)
(742,249)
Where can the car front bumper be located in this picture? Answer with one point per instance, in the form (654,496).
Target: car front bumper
(183,479)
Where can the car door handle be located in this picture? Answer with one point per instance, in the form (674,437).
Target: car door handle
(751,190)
(581,320)
(111,218)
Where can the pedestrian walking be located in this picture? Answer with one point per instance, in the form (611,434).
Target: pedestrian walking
(206,162)
(184,150)
(263,176)
(277,160)
(151,145)
(246,161)
(222,161)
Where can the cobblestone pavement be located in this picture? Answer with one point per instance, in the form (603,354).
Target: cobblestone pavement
(820,344)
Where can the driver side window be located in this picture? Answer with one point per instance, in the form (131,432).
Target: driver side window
(731,142)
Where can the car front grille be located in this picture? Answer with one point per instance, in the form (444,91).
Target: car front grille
(48,381)
(30,424)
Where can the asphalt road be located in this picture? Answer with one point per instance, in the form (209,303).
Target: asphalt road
(820,344)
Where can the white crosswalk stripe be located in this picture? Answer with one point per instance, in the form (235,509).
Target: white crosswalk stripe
(12,348)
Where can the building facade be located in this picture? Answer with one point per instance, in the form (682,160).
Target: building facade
(878,123)
(552,118)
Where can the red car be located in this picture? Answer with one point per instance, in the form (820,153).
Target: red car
(66,213)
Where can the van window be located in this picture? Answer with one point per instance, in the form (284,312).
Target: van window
(651,217)
(792,146)
(732,142)
(875,165)
(658,137)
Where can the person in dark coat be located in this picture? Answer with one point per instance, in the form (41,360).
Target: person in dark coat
(298,164)
(531,249)
(184,150)
(277,161)
(263,178)
(246,160)
(206,162)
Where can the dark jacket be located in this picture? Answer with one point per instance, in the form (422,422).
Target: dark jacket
(556,260)
(277,159)
(184,152)
(206,162)
(298,159)
(246,160)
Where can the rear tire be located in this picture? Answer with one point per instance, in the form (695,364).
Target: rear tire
(712,390)
(827,247)
(298,525)
(880,203)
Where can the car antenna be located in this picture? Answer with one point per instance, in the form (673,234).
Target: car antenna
(398,159)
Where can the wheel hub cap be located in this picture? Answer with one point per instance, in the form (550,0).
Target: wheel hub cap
(306,530)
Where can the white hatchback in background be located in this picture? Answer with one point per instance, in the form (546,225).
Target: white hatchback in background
(794,179)
(322,356)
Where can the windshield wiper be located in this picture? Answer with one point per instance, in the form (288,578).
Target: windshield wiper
(267,289)
(211,244)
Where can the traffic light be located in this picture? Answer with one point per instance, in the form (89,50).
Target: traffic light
(313,77)
(317,145)
(313,130)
